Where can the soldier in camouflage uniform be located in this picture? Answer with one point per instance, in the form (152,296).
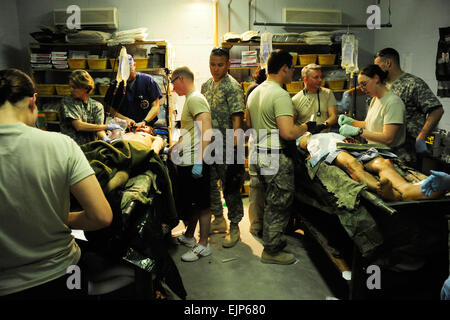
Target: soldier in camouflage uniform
(81,116)
(226,99)
(271,114)
(423,109)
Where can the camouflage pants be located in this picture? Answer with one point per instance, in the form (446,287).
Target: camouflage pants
(279,195)
(231,178)
(255,200)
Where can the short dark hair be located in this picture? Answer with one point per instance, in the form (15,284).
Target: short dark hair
(277,59)
(371,70)
(15,85)
(221,52)
(389,53)
(259,75)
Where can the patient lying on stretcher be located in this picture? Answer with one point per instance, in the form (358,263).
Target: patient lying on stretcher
(390,186)
(143,135)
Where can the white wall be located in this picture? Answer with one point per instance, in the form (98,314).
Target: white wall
(415,35)
(10,45)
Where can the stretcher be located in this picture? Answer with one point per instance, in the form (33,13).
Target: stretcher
(407,241)
(137,185)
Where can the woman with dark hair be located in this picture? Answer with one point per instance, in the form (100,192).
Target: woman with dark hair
(385,120)
(259,77)
(38,170)
(82,116)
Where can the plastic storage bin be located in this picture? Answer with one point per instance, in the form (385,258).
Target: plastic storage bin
(307,59)
(77,63)
(336,84)
(45,89)
(294,86)
(62,89)
(97,64)
(141,63)
(326,59)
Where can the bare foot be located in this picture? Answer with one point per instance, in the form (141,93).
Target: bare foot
(387,192)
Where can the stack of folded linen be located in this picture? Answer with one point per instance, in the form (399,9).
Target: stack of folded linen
(317,37)
(128,36)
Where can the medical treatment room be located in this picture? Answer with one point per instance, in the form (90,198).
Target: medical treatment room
(225,158)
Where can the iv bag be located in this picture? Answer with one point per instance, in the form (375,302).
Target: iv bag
(265,48)
(123,71)
(349,53)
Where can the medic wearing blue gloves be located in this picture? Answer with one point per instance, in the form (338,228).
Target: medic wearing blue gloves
(385,120)
(437,181)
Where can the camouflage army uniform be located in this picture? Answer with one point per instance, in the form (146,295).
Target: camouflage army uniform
(419,100)
(225,99)
(75,109)
(279,195)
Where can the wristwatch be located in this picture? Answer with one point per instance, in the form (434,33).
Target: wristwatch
(360,132)
(147,123)
(326,124)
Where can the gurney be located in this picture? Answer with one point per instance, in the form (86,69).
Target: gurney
(137,186)
(404,239)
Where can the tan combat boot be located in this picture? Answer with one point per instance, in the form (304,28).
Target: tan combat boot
(232,237)
(218,225)
(277,258)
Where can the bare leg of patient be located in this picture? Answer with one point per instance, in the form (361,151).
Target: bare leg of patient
(355,169)
(391,179)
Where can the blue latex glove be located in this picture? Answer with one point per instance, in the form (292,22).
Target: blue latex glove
(343,119)
(113,126)
(197,170)
(437,181)
(421,146)
(344,104)
(348,131)
(106,139)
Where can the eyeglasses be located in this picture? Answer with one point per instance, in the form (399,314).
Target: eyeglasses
(363,84)
(174,79)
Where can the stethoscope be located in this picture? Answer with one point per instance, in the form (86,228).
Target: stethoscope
(318,100)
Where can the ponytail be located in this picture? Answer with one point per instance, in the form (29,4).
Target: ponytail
(14,86)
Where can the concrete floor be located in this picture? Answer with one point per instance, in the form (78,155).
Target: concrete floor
(246,278)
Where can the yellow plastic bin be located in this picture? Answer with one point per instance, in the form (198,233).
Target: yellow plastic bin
(141,63)
(97,64)
(62,89)
(77,63)
(307,59)
(336,84)
(327,59)
(102,89)
(51,115)
(294,86)
(45,89)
